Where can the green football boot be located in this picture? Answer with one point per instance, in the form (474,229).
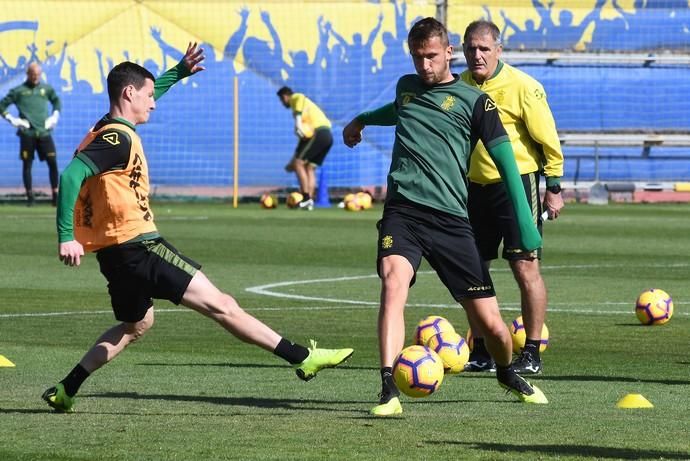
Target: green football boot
(318,359)
(57,398)
(523,390)
(390,408)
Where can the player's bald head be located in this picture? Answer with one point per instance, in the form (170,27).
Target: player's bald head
(33,73)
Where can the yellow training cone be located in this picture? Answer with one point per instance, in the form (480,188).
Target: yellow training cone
(634,401)
(4,362)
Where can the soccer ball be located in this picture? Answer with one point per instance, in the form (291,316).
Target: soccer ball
(351,203)
(293,199)
(517,332)
(364,199)
(452,349)
(418,371)
(430,326)
(470,339)
(268,201)
(654,307)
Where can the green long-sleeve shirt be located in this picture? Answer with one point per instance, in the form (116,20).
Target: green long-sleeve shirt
(32,105)
(436,131)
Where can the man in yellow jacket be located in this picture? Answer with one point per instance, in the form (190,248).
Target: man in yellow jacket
(526,116)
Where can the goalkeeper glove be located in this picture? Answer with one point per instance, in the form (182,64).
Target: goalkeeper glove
(52,120)
(17,122)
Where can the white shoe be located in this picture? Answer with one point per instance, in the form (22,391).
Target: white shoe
(306,205)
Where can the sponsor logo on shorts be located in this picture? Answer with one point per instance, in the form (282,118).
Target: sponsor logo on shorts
(387,242)
(480,288)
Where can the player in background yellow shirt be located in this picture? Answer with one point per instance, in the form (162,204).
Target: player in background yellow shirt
(313,129)
(527,118)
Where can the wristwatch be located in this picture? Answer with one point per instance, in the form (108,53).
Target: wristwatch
(554,189)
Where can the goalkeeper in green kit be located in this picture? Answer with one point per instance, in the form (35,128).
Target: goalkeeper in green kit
(34,126)
(438,121)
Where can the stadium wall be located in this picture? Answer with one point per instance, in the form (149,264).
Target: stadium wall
(345,55)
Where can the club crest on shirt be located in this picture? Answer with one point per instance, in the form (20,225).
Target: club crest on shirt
(387,242)
(489,105)
(407,97)
(111,138)
(499,96)
(448,103)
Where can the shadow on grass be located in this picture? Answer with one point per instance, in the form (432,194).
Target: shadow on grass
(252,402)
(241,365)
(28,411)
(620,379)
(570,450)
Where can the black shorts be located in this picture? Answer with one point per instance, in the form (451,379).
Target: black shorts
(138,272)
(493,220)
(446,241)
(313,150)
(29,144)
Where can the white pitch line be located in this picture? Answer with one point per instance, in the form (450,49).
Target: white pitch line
(509,307)
(266,290)
(355,304)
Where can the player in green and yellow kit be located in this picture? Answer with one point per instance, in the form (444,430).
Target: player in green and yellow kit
(526,116)
(34,126)
(103,206)
(313,129)
(438,120)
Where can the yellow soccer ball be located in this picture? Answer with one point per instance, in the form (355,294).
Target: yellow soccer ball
(452,349)
(517,332)
(430,326)
(364,199)
(351,203)
(268,201)
(470,339)
(654,307)
(293,199)
(418,371)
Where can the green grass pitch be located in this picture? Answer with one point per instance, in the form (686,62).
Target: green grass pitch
(189,391)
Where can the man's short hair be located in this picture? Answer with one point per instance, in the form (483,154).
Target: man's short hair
(124,74)
(481,27)
(285,90)
(425,29)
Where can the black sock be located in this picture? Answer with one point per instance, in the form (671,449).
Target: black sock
(532,346)
(293,353)
(504,372)
(74,380)
(305,196)
(388,387)
(479,347)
